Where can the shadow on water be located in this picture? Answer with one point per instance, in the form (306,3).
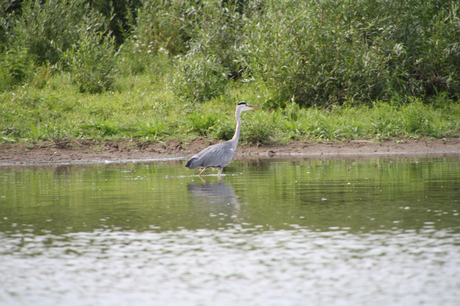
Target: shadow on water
(213,196)
(215,199)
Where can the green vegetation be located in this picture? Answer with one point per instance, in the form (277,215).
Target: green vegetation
(322,70)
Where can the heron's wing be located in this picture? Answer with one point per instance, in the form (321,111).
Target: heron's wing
(218,155)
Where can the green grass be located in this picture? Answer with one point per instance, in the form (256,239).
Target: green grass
(148,111)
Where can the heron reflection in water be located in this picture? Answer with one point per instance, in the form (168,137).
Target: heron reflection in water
(221,154)
(215,197)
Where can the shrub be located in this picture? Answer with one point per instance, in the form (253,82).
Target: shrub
(16,67)
(323,52)
(120,14)
(199,78)
(159,32)
(92,62)
(216,51)
(45,28)
(163,25)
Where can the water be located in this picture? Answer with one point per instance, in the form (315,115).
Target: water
(291,232)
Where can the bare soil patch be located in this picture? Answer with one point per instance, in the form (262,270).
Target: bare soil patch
(94,151)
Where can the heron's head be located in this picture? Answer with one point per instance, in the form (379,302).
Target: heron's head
(244,106)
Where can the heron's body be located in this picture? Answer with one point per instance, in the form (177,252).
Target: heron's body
(221,154)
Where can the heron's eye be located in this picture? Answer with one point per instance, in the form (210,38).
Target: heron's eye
(242,103)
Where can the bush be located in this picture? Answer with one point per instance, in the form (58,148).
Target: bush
(217,51)
(45,28)
(92,62)
(323,52)
(16,67)
(164,25)
(120,14)
(199,78)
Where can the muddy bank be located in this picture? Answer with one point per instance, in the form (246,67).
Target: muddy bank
(90,150)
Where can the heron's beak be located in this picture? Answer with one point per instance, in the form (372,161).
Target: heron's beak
(253,106)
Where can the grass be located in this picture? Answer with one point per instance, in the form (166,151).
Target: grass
(148,111)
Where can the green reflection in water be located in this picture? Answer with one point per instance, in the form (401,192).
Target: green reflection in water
(353,195)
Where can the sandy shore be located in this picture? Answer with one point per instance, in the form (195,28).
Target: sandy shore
(94,151)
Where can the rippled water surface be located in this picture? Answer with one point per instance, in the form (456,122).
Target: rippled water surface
(273,232)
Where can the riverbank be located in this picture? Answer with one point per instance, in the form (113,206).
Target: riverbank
(116,151)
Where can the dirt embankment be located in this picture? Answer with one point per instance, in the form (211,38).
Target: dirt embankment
(89,150)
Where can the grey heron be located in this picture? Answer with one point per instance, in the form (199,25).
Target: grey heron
(221,154)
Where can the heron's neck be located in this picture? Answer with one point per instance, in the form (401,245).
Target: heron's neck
(236,137)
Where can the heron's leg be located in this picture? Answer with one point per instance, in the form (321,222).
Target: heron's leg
(202,171)
(219,172)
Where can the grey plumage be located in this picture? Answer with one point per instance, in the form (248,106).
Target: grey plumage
(221,154)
